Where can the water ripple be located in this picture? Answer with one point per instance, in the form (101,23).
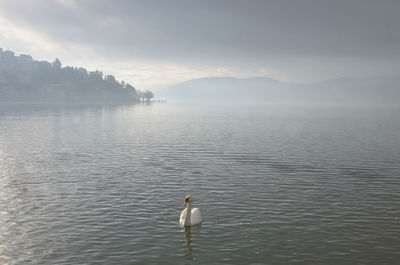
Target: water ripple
(107,187)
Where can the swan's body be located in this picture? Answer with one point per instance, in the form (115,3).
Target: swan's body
(195,217)
(189,216)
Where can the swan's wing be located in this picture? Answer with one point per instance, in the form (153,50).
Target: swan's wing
(196,216)
(183,217)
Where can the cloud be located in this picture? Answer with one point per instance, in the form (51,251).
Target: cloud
(68,3)
(22,39)
(247,29)
(257,34)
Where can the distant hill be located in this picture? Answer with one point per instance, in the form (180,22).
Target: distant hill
(23,79)
(344,91)
(221,89)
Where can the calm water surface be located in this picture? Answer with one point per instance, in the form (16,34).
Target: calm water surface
(105,185)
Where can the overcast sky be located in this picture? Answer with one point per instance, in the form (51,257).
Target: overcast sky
(153,44)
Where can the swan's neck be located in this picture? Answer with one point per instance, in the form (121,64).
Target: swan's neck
(188,214)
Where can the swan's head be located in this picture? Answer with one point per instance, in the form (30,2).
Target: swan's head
(188,199)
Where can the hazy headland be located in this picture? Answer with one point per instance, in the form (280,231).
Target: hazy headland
(25,80)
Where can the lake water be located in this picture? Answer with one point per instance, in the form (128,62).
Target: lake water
(106,185)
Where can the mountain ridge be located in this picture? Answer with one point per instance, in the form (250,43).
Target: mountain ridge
(376,90)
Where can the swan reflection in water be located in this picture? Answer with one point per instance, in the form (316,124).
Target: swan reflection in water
(188,240)
(189,231)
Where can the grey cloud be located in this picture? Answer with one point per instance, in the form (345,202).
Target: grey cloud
(220,30)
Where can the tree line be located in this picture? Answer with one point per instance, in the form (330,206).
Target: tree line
(25,79)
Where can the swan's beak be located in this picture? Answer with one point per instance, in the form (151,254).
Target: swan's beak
(186,202)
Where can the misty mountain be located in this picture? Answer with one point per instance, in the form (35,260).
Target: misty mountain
(23,79)
(343,91)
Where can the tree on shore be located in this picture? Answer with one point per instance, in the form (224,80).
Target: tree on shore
(25,79)
(146,95)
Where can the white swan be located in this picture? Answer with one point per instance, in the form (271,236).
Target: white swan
(189,216)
